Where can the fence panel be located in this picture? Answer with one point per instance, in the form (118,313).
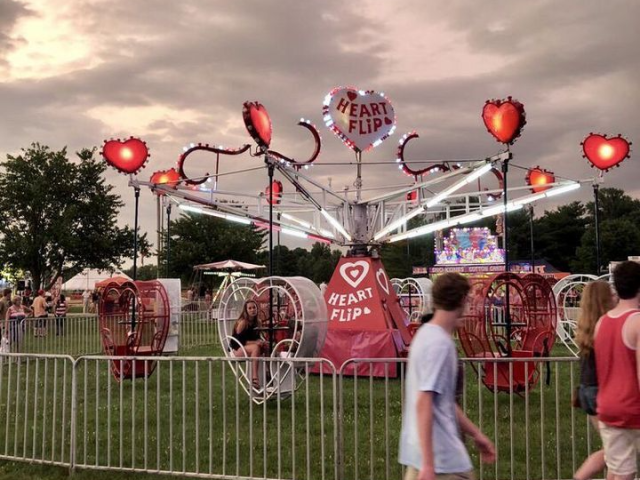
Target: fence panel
(193,417)
(36,408)
(537,434)
(80,335)
(72,335)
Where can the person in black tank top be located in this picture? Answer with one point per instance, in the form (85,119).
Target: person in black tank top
(245,334)
(597,299)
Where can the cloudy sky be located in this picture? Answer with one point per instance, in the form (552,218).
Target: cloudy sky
(73,72)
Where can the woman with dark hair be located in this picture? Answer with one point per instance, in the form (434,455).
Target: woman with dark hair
(246,334)
(597,299)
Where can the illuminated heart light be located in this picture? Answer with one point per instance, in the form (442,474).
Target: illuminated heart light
(169,177)
(504,119)
(362,119)
(538,179)
(127,156)
(274,192)
(412,196)
(258,123)
(604,152)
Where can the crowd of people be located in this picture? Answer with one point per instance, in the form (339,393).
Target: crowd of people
(16,309)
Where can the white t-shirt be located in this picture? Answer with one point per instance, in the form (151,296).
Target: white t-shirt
(433,367)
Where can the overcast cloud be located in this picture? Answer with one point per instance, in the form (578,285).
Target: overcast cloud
(75,72)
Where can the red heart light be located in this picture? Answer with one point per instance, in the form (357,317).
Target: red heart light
(274,192)
(605,153)
(538,179)
(169,177)
(504,119)
(127,156)
(258,123)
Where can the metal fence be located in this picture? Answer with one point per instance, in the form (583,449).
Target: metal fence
(193,417)
(80,335)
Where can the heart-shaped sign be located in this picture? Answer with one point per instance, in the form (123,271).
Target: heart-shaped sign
(300,330)
(383,281)
(414,295)
(274,192)
(354,272)
(504,119)
(169,177)
(538,179)
(361,119)
(128,156)
(258,123)
(604,152)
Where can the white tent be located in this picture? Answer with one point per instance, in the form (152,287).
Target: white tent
(88,278)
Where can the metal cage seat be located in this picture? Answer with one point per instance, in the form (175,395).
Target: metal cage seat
(528,332)
(134,322)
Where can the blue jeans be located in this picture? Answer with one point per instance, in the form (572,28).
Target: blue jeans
(587,396)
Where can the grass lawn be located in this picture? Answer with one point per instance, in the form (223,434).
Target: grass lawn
(190,416)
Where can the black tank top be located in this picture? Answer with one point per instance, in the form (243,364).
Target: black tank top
(249,334)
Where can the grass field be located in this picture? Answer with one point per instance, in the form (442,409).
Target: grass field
(190,416)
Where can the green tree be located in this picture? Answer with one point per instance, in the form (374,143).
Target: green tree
(60,216)
(619,231)
(558,233)
(197,239)
(317,264)
(144,272)
(619,238)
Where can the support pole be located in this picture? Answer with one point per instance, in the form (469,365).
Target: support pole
(533,254)
(168,237)
(507,310)
(270,169)
(596,217)
(136,191)
(159,231)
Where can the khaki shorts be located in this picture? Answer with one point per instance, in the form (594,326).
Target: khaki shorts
(412,474)
(621,448)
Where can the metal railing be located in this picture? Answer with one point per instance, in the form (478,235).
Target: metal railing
(77,335)
(194,417)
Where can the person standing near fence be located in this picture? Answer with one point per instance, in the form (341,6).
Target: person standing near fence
(430,440)
(61,313)
(5,303)
(597,299)
(617,348)
(86,300)
(14,322)
(40,313)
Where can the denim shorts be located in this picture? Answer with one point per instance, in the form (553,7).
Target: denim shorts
(587,396)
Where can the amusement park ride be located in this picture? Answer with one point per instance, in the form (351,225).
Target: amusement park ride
(365,314)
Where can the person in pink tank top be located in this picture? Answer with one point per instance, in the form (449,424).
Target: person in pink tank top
(617,351)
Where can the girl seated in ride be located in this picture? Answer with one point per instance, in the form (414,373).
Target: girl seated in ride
(246,334)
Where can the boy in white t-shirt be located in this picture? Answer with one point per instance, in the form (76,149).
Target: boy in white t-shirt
(430,443)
